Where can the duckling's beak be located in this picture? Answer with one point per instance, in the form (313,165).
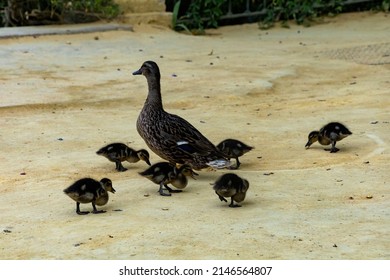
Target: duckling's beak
(308,144)
(138,72)
(147,162)
(193,174)
(113,190)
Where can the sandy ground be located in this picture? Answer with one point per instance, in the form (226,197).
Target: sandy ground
(64,97)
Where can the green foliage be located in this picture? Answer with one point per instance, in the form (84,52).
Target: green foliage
(306,11)
(302,12)
(108,8)
(18,12)
(386,5)
(201,14)
(175,14)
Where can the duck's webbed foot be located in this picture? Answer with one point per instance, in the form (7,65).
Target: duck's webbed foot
(119,166)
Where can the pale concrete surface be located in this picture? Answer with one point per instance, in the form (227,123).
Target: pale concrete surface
(63,97)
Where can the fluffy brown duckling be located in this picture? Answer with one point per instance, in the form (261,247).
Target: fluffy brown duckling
(233,186)
(119,152)
(329,134)
(233,148)
(164,173)
(88,190)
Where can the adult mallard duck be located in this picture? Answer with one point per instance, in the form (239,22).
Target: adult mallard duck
(233,186)
(170,136)
(88,190)
(119,152)
(164,173)
(233,148)
(328,134)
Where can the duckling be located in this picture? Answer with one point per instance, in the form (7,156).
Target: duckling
(329,134)
(233,148)
(88,190)
(233,186)
(119,152)
(164,173)
(170,136)
(179,177)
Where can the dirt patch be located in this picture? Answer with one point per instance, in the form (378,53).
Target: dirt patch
(64,97)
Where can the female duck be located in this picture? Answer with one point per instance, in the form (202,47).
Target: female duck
(233,186)
(88,190)
(170,136)
(119,152)
(164,173)
(233,148)
(329,134)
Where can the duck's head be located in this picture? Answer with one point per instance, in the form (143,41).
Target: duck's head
(107,185)
(312,138)
(148,68)
(187,171)
(144,155)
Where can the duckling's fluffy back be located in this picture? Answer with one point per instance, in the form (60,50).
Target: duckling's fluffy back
(229,184)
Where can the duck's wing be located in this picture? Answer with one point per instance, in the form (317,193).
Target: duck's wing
(179,133)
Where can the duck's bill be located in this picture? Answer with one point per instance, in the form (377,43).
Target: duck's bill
(138,72)
(308,144)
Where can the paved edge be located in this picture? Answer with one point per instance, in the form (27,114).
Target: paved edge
(12,32)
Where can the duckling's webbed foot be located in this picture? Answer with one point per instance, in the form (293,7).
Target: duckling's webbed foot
(119,166)
(171,190)
(238,163)
(95,211)
(221,198)
(98,211)
(161,190)
(233,205)
(78,210)
(333,149)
